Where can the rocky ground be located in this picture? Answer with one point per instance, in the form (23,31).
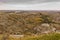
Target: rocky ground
(29,22)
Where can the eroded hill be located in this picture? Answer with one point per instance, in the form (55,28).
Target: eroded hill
(29,22)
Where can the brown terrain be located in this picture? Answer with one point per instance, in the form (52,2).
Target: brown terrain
(29,22)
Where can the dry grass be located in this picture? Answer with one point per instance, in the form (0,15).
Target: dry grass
(51,36)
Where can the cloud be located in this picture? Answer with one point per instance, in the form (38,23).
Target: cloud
(39,6)
(27,1)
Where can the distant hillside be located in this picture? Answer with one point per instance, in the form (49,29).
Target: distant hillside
(29,22)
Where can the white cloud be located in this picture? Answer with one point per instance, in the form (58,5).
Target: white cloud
(41,6)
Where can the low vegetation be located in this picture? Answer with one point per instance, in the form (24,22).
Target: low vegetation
(30,23)
(51,36)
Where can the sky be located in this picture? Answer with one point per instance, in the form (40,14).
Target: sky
(27,1)
(29,5)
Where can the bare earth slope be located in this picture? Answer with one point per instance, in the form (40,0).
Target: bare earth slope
(29,22)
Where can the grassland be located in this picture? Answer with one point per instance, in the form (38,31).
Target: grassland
(52,36)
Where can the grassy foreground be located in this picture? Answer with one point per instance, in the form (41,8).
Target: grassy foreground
(47,37)
(53,36)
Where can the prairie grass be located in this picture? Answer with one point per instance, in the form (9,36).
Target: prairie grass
(52,36)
